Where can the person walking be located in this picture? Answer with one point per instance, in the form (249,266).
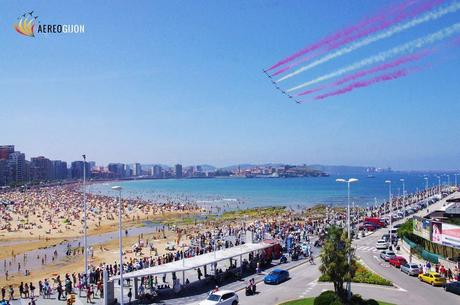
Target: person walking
(21,290)
(89,294)
(59,291)
(130,295)
(32,290)
(26,291)
(11,292)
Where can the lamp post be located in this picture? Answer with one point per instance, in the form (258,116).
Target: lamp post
(348,182)
(404,195)
(439,184)
(455,176)
(85,230)
(426,183)
(389,206)
(120,236)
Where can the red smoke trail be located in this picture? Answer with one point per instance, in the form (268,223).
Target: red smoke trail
(362,32)
(385,66)
(362,84)
(345,32)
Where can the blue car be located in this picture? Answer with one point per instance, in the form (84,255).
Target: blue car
(453,287)
(276,276)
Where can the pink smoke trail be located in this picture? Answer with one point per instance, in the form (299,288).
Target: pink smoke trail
(398,18)
(364,32)
(342,33)
(385,66)
(362,84)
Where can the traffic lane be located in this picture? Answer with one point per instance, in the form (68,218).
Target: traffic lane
(302,279)
(239,286)
(417,291)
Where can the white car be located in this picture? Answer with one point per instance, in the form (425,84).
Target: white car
(382,244)
(221,297)
(386,255)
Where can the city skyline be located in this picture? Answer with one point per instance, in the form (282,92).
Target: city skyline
(173,90)
(150,166)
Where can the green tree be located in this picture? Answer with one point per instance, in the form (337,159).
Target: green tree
(406,229)
(334,260)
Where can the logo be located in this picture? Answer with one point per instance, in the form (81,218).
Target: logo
(26,24)
(29,25)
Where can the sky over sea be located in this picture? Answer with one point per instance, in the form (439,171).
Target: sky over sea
(182,82)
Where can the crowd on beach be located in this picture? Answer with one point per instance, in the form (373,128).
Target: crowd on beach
(44,212)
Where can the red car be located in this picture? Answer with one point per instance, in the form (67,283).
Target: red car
(397,261)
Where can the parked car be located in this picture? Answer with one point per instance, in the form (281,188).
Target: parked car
(222,297)
(432,278)
(410,269)
(453,287)
(386,255)
(276,276)
(397,261)
(382,244)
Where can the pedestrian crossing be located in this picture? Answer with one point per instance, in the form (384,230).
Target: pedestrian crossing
(368,249)
(309,287)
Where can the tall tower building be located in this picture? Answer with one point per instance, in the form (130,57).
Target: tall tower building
(17,162)
(178,168)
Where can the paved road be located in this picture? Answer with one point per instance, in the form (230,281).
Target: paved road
(303,280)
(415,292)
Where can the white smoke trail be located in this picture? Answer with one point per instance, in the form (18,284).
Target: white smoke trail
(396,29)
(382,56)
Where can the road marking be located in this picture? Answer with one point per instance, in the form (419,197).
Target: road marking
(400,288)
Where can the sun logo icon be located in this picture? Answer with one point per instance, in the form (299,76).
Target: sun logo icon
(26,24)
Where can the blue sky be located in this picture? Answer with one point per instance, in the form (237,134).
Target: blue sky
(181,81)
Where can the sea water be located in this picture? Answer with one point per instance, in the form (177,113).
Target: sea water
(259,192)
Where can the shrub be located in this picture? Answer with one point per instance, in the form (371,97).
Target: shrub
(372,302)
(362,275)
(356,299)
(327,298)
(336,302)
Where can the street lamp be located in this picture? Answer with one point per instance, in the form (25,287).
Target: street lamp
(85,238)
(426,183)
(455,175)
(439,183)
(348,182)
(389,206)
(120,236)
(404,195)
(448,180)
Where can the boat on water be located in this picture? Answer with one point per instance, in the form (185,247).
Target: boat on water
(370,176)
